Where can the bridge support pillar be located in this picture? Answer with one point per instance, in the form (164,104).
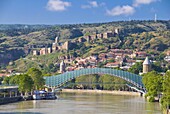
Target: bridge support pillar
(53,89)
(16,93)
(10,93)
(4,94)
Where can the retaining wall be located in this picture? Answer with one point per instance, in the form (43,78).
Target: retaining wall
(103,91)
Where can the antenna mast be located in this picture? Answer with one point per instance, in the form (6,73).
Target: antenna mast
(155,17)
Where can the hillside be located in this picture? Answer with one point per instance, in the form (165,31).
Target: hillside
(18,41)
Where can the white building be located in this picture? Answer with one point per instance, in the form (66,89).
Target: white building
(62,67)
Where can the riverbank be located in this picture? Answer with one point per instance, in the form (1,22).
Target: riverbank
(102,92)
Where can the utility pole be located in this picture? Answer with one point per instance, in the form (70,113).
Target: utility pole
(155,18)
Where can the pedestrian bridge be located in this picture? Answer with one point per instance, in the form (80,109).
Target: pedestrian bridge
(59,80)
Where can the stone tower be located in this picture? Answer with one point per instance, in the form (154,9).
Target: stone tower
(117,31)
(62,66)
(146,65)
(57,40)
(66,45)
(54,47)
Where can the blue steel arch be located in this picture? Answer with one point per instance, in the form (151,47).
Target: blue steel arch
(58,80)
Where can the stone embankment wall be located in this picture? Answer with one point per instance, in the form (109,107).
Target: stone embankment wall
(9,100)
(103,91)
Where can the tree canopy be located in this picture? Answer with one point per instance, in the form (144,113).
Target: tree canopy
(165,101)
(37,77)
(32,80)
(24,82)
(106,82)
(136,68)
(153,83)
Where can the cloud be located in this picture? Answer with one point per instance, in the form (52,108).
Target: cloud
(92,4)
(128,10)
(57,5)
(118,10)
(140,2)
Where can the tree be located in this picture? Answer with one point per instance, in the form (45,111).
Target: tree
(6,80)
(1,79)
(153,83)
(157,67)
(136,68)
(89,80)
(15,79)
(101,64)
(37,78)
(107,82)
(111,61)
(165,101)
(51,68)
(119,83)
(25,83)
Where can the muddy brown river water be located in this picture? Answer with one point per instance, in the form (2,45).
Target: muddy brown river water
(84,103)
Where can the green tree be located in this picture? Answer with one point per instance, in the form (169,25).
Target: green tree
(25,83)
(157,67)
(88,80)
(15,79)
(111,61)
(165,101)
(153,83)
(1,79)
(37,77)
(136,68)
(52,67)
(101,64)
(107,82)
(119,83)
(160,57)
(7,80)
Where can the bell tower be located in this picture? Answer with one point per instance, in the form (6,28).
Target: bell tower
(146,65)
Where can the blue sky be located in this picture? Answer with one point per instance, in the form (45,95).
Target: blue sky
(81,11)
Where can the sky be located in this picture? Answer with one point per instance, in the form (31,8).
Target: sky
(81,11)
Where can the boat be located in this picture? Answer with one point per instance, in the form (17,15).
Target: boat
(44,95)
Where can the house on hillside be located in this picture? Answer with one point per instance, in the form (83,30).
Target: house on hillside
(43,51)
(139,54)
(130,63)
(35,52)
(167,58)
(113,65)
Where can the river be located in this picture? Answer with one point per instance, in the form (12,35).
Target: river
(84,103)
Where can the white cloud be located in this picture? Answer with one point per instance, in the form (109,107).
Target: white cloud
(92,4)
(139,2)
(118,10)
(57,5)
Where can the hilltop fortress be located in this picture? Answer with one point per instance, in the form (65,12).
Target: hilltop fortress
(67,45)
